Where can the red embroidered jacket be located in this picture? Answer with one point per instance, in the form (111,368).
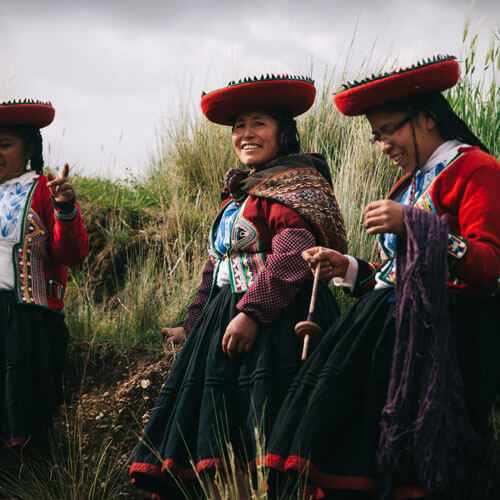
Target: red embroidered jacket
(267,240)
(467,192)
(51,239)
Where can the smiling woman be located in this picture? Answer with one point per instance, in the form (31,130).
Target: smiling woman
(241,352)
(390,404)
(41,233)
(256,138)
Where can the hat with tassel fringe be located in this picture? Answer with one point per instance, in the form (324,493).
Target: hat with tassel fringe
(293,93)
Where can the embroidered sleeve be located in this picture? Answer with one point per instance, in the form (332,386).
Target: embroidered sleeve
(279,282)
(201,298)
(66,210)
(365,278)
(476,251)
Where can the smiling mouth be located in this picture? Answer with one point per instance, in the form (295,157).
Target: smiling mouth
(250,147)
(397,158)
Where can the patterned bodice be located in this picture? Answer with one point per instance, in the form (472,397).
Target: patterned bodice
(436,164)
(13,196)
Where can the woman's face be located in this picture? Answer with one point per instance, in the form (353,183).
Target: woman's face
(13,156)
(392,134)
(255,138)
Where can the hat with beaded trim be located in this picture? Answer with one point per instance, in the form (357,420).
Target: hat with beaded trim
(432,75)
(294,93)
(26,112)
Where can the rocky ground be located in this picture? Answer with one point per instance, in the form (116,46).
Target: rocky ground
(109,394)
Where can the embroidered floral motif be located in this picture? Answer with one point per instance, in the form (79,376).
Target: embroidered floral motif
(12,201)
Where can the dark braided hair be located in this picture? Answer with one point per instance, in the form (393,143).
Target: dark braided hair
(287,126)
(32,138)
(435,106)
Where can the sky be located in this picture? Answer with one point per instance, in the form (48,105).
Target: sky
(120,72)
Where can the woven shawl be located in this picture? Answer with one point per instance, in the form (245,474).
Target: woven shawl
(301,182)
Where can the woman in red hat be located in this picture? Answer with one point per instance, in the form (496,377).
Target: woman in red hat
(391,403)
(241,352)
(41,233)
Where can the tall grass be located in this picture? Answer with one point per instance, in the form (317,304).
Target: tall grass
(148,239)
(70,473)
(150,233)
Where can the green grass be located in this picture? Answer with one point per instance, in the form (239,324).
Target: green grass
(148,240)
(148,235)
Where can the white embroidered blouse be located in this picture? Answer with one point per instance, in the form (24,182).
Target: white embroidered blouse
(13,195)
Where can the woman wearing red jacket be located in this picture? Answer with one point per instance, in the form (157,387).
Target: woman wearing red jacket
(391,403)
(241,352)
(41,233)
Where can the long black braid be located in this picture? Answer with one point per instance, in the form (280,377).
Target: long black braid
(37,158)
(32,138)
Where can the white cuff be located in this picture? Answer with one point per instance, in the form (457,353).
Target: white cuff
(349,280)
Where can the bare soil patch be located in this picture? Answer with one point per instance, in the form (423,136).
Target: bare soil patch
(109,393)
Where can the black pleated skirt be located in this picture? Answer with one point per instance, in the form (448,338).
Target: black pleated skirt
(33,344)
(329,423)
(209,399)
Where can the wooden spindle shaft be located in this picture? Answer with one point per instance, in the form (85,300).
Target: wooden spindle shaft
(307,329)
(305,346)
(314,292)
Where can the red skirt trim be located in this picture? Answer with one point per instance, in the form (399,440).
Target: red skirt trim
(325,480)
(301,465)
(13,442)
(142,468)
(171,466)
(336,482)
(19,445)
(404,492)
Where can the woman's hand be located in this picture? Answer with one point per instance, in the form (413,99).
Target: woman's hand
(384,216)
(177,334)
(61,188)
(240,335)
(333,264)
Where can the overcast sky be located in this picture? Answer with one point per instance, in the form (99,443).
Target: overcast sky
(117,71)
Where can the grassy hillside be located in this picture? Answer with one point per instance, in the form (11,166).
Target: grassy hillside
(148,245)
(148,236)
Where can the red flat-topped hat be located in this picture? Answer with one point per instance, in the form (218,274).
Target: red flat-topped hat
(294,93)
(433,75)
(26,112)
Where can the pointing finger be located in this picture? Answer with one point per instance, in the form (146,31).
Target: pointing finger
(65,170)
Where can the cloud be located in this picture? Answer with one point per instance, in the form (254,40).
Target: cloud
(114,69)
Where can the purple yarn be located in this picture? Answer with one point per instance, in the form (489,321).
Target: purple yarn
(425,430)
